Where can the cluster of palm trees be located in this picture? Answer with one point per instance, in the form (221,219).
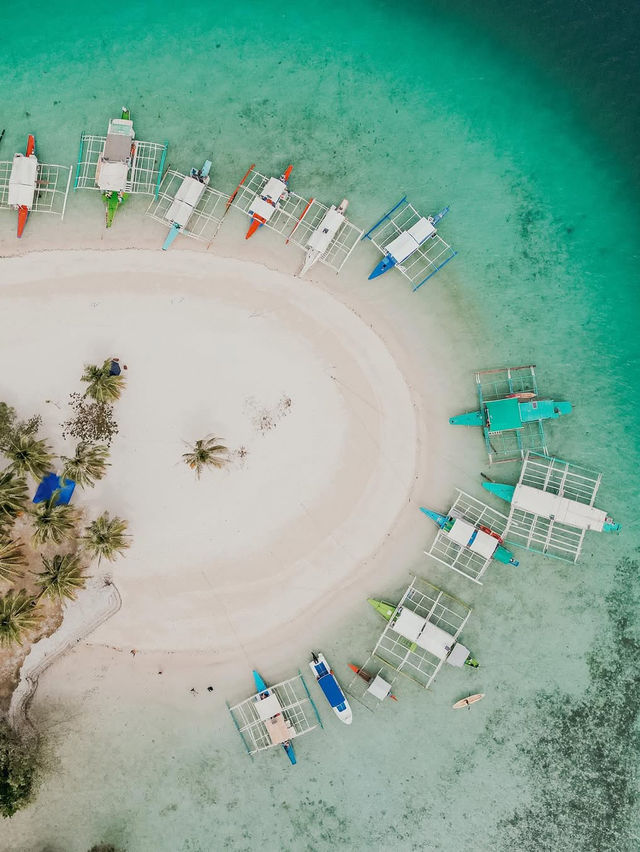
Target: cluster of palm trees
(54,525)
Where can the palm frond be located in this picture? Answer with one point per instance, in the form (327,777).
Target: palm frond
(27,454)
(12,559)
(106,537)
(88,464)
(52,522)
(13,495)
(17,616)
(102,386)
(63,575)
(206,453)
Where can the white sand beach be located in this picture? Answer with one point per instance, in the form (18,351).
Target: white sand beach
(327,449)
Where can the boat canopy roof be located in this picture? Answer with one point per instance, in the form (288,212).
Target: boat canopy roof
(268,707)
(273,188)
(187,197)
(112,177)
(558,508)
(458,655)
(379,688)
(467,535)
(329,685)
(503,415)
(22,181)
(279,730)
(407,242)
(327,229)
(424,633)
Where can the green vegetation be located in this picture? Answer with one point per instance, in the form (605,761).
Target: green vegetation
(63,575)
(206,453)
(102,386)
(12,559)
(13,495)
(19,762)
(106,537)
(11,427)
(88,464)
(28,454)
(17,616)
(52,523)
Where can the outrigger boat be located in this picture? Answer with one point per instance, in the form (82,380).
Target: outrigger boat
(329,685)
(405,244)
(423,633)
(186,200)
(269,711)
(115,162)
(267,201)
(477,538)
(378,687)
(319,240)
(22,182)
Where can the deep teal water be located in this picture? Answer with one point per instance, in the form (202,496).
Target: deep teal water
(525,120)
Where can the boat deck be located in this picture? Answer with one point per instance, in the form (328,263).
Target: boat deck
(428,259)
(461,559)
(145,172)
(52,188)
(340,247)
(439,608)
(540,534)
(298,714)
(285,216)
(206,218)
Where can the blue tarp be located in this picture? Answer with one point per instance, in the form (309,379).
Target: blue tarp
(329,685)
(52,483)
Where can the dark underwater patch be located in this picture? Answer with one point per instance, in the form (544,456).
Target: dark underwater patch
(581,754)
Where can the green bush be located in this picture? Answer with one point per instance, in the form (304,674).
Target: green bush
(18,768)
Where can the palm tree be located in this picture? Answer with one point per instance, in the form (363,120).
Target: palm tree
(27,454)
(106,537)
(103,387)
(206,453)
(17,616)
(13,494)
(52,522)
(88,464)
(62,576)
(12,558)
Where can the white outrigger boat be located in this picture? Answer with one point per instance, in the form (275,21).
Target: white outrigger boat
(186,200)
(331,688)
(321,238)
(115,161)
(267,201)
(22,182)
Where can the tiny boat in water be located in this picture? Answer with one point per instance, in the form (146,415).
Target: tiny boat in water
(186,200)
(267,201)
(269,710)
(367,677)
(467,702)
(114,163)
(321,238)
(480,539)
(22,182)
(405,244)
(331,688)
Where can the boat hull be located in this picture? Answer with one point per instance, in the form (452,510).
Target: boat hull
(385,265)
(23,215)
(468,701)
(385,609)
(331,688)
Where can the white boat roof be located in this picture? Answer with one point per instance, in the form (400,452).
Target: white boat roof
(111,176)
(408,624)
(279,730)
(557,508)
(268,707)
(435,640)
(327,229)
(379,688)
(409,241)
(273,188)
(187,197)
(458,656)
(461,532)
(22,181)
(262,208)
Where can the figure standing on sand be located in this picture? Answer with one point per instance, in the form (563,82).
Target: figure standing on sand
(115,369)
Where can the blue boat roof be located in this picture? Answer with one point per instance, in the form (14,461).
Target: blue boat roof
(333,693)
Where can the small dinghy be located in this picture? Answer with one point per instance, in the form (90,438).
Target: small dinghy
(331,688)
(467,702)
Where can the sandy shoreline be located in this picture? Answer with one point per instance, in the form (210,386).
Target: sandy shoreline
(249,559)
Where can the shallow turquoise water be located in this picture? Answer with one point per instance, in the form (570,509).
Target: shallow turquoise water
(524,125)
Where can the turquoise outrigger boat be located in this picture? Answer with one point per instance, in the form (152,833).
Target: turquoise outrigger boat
(393,613)
(278,727)
(510,414)
(480,539)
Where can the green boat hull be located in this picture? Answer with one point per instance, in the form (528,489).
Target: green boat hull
(385,609)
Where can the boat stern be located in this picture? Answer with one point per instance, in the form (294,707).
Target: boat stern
(471,418)
(435,516)
(173,233)
(387,263)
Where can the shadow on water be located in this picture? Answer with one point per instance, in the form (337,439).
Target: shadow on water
(580,754)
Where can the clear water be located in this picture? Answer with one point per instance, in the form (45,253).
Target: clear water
(524,122)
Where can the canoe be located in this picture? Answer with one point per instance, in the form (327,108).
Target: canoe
(468,701)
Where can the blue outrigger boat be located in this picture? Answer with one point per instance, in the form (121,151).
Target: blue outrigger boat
(480,539)
(279,728)
(331,688)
